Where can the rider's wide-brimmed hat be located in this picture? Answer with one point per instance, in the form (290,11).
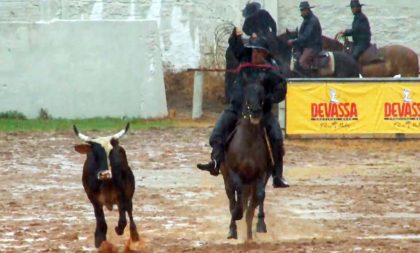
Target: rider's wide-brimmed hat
(258,43)
(250,9)
(305,5)
(355,3)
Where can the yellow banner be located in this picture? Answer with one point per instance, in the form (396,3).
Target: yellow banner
(353,108)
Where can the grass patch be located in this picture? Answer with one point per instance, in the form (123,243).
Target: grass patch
(93,124)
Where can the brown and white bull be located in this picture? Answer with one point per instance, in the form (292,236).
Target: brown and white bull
(108,181)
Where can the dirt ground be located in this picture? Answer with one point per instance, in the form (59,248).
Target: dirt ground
(346,196)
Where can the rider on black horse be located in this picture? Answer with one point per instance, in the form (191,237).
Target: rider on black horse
(309,41)
(258,21)
(360,30)
(256,60)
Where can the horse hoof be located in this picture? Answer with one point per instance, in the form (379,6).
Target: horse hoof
(99,240)
(261,227)
(119,230)
(134,236)
(232,235)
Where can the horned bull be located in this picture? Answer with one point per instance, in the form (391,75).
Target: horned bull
(108,181)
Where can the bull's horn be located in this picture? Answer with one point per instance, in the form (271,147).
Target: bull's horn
(122,132)
(80,135)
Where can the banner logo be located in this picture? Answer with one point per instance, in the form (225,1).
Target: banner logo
(334,110)
(406,110)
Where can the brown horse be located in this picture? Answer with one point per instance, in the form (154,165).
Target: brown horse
(246,166)
(391,60)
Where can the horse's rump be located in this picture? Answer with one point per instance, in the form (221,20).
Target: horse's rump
(397,60)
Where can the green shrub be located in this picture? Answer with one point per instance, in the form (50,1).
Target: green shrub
(12,115)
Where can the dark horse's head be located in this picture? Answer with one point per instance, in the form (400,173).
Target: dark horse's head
(253,100)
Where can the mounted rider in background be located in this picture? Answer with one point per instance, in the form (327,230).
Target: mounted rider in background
(258,21)
(360,30)
(309,41)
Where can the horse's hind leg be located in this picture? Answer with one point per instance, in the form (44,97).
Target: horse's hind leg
(253,203)
(261,226)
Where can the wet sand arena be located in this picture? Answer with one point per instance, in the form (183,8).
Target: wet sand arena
(346,196)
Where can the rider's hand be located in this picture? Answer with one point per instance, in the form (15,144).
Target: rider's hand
(253,35)
(238,31)
(290,43)
(339,35)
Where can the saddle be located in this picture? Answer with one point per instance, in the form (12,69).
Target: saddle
(323,64)
(371,55)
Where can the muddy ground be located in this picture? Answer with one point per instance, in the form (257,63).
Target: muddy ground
(346,196)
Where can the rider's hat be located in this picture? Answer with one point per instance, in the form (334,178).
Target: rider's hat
(305,5)
(250,9)
(355,3)
(258,43)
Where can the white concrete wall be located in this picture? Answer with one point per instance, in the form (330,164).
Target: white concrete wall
(82,69)
(187,26)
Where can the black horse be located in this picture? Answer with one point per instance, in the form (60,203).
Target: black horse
(246,167)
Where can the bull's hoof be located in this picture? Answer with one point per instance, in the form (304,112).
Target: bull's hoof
(237,213)
(119,230)
(134,235)
(233,234)
(261,227)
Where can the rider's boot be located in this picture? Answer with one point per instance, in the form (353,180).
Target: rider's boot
(216,159)
(278,180)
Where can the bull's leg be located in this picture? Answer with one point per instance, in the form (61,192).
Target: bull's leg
(101,227)
(133,228)
(260,197)
(122,220)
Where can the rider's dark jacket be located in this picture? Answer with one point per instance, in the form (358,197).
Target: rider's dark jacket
(310,34)
(360,30)
(260,23)
(273,82)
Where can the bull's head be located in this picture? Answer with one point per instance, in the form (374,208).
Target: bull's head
(103,152)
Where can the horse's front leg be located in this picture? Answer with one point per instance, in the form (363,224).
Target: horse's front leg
(237,186)
(230,193)
(260,197)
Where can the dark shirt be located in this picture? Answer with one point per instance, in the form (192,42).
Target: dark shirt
(260,23)
(310,34)
(360,30)
(274,84)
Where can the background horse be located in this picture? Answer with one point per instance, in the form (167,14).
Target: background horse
(345,66)
(246,167)
(393,60)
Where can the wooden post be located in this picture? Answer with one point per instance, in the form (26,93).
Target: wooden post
(197,110)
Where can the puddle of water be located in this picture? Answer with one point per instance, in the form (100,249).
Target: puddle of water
(166,178)
(393,237)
